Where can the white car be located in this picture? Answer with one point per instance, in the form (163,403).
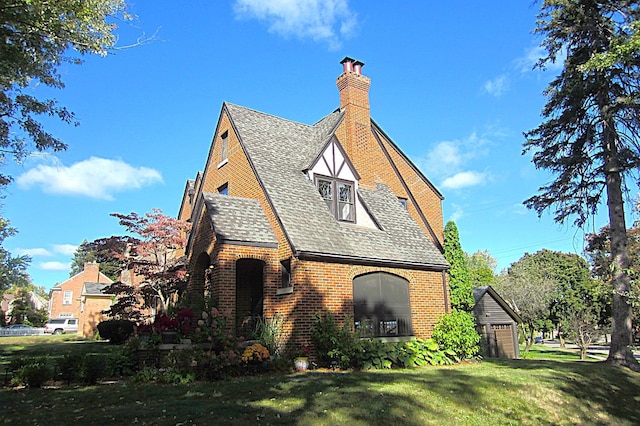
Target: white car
(61,326)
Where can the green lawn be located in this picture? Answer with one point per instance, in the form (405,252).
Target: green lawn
(494,392)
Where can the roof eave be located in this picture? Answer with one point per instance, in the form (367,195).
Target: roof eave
(338,258)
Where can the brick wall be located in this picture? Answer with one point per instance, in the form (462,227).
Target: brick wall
(74,284)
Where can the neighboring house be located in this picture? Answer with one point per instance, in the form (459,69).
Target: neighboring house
(6,305)
(292,219)
(65,299)
(92,302)
(497,323)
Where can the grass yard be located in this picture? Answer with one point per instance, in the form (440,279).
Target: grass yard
(495,392)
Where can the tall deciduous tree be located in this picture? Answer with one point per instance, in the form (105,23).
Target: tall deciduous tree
(482,268)
(589,136)
(154,255)
(37,36)
(459,277)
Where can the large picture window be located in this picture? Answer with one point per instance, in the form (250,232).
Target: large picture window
(381,305)
(339,196)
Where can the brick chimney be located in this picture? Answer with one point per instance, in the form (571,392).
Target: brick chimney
(354,101)
(92,269)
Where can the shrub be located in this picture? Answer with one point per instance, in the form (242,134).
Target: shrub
(456,331)
(93,368)
(116,331)
(33,372)
(69,366)
(334,343)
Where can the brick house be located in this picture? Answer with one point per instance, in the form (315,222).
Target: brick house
(66,298)
(292,219)
(92,302)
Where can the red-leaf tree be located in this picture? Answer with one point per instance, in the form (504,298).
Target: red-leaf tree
(154,254)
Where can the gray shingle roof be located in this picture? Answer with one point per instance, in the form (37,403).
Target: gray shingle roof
(239,220)
(94,289)
(280,150)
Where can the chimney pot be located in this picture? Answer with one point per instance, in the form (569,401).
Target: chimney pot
(357,67)
(347,64)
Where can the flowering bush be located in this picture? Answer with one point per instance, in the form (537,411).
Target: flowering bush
(255,353)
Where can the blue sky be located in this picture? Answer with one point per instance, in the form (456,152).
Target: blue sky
(451,84)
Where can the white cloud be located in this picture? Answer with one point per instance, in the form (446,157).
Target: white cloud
(449,161)
(326,21)
(67,249)
(464,179)
(497,87)
(97,178)
(32,252)
(532,56)
(457,214)
(54,266)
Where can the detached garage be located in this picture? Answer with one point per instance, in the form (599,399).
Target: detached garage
(497,323)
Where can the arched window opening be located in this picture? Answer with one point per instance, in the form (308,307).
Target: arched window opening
(381,305)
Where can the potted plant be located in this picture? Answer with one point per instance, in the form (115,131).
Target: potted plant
(255,355)
(301,361)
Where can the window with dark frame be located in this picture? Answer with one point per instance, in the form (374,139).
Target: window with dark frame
(403,202)
(339,196)
(224,146)
(224,189)
(381,305)
(286,273)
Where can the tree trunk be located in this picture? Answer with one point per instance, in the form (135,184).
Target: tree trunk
(620,352)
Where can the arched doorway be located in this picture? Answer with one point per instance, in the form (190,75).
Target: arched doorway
(198,282)
(249,295)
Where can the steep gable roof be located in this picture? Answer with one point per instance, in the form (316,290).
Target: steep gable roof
(239,220)
(279,151)
(480,292)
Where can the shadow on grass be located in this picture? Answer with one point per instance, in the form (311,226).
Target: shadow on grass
(600,386)
(492,392)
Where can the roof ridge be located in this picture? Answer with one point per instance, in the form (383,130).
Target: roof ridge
(267,114)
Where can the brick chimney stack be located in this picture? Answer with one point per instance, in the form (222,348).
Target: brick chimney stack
(354,101)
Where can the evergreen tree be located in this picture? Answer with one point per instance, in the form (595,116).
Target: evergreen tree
(459,278)
(108,252)
(589,136)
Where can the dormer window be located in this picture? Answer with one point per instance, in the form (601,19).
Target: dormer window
(339,196)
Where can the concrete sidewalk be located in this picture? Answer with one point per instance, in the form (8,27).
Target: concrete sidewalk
(598,351)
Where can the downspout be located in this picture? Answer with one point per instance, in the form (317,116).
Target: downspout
(445,292)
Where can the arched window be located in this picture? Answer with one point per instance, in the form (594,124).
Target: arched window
(381,305)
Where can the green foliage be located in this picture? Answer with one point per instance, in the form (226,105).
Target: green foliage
(481,268)
(108,252)
(459,278)
(269,333)
(38,37)
(116,331)
(456,331)
(22,309)
(333,343)
(68,367)
(31,372)
(13,270)
(348,350)
(92,368)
